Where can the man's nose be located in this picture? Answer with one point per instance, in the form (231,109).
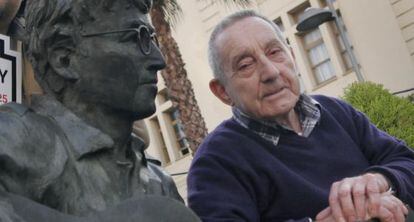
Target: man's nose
(269,70)
(156,59)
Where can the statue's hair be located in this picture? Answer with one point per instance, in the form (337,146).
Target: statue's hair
(42,17)
(213,51)
(49,20)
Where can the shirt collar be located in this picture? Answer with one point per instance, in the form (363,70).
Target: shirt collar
(309,115)
(84,138)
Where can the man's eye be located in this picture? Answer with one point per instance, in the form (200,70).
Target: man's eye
(277,54)
(244,66)
(275,51)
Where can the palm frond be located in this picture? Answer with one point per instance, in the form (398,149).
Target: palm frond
(172,11)
(242,3)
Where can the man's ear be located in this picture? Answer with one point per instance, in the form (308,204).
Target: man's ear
(60,59)
(220,92)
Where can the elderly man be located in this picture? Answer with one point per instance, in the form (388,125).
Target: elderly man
(287,156)
(71,154)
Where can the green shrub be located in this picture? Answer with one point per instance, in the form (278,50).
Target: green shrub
(411,98)
(394,115)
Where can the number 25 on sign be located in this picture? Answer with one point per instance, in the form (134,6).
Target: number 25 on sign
(3,98)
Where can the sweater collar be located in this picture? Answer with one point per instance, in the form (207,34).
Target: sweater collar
(309,115)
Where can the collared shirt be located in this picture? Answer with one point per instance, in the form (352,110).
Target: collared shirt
(57,159)
(309,115)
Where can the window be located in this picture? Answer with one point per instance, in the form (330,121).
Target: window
(182,141)
(318,56)
(315,49)
(344,54)
(163,96)
(159,140)
(297,13)
(279,23)
(324,4)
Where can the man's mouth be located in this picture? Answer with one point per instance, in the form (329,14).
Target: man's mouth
(274,92)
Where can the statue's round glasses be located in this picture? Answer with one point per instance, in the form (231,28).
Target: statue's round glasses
(144,37)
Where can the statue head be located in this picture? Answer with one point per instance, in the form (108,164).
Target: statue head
(99,52)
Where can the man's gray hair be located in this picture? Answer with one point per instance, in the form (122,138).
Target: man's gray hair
(213,51)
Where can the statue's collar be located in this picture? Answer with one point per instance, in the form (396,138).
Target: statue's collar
(84,138)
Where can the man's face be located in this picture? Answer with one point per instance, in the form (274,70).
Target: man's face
(113,71)
(259,69)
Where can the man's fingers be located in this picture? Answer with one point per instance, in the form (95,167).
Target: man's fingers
(391,209)
(398,209)
(345,200)
(358,193)
(405,209)
(324,214)
(335,204)
(374,196)
(385,215)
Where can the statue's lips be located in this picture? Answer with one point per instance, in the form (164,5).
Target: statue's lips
(149,78)
(148,83)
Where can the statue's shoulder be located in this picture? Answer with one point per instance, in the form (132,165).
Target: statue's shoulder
(16,108)
(21,127)
(17,119)
(11,120)
(32,149)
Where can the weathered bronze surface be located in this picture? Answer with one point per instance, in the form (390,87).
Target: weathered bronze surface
(71,156)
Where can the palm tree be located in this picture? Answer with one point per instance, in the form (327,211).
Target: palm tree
(164,14)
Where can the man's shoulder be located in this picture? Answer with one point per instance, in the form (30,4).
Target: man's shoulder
(228,134)
(323,99)
(226,130)
(332,103)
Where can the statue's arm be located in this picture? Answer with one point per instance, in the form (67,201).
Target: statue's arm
(12,140)
(31,154)
(15,208)
(9,139)
(151,208)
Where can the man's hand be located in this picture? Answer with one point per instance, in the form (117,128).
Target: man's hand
(325,216)
(391,209)
(348,198)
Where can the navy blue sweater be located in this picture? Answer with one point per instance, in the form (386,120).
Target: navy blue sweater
(238,176)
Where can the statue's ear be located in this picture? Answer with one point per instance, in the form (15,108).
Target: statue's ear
(59,57)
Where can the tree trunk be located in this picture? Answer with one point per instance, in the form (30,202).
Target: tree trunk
(178,85)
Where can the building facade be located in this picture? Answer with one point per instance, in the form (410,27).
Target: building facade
(381,33)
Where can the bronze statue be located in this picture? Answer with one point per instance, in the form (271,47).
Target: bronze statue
(8,10)
(70,156)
